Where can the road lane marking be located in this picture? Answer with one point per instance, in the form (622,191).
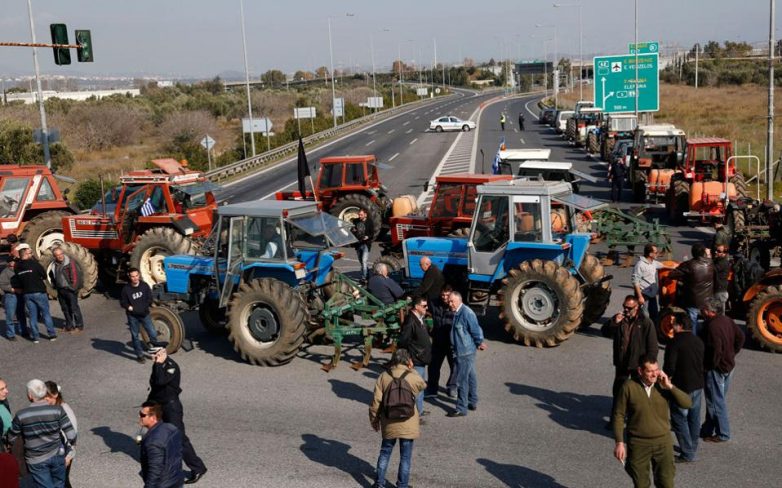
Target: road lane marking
(369,133)
(393,157)
(406,123)
(408,131)
(417,117)
(526,106)
(391,131)
(413,141)
(370,142)
(522,140)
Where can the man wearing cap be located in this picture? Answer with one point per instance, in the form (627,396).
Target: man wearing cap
(30,277)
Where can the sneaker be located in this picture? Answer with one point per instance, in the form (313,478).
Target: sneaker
(141,360)
(452,394)
(430,395)
(12,339)
(36,341)
(52,338)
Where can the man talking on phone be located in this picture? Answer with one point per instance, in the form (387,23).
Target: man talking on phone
(643,401)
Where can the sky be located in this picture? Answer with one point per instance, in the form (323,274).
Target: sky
(202,38)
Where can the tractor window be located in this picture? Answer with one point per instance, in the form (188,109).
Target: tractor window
(446,205)
(470,196)
(529,227)
(158,201)
(492,224)
(264,239)
(354,174)
(331,176)
(45,192)
(11,194)
(135,200)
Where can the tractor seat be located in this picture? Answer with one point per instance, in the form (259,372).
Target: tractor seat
(361,322)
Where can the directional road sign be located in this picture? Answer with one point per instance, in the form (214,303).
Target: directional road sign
(208,142)
(615,83)
(258,125)
(644,47)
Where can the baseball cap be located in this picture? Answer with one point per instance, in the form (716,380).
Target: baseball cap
(23,246)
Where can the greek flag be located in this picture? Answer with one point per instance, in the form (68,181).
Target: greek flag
(495,165)
(147,209)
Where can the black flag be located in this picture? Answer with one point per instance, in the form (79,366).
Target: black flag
(304,168)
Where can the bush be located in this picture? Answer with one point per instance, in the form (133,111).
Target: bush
(88,193)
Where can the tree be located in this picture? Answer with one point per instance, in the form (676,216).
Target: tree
(273,77)
(322,72)
(303,75)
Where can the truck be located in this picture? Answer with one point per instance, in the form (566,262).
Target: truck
(655,147)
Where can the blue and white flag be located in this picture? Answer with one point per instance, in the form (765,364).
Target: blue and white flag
(147,209)
(495,165)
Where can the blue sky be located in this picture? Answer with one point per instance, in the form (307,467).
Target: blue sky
(203,37)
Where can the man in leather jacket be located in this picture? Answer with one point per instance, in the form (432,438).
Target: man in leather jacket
(696,278)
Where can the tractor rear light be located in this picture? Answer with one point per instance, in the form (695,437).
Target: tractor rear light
(299,265)
(285,214)
(337,255)
(565,245)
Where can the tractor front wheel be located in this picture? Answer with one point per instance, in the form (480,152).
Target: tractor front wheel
(679,201)
(266,322)
(735,223)
(348,206)
(740,184)
(152,247)
(169,327)
(765,318)
(44,231)
(85,263)
(392,262)
(541,303)
(597,296)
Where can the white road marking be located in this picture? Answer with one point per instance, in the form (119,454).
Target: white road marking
(391,131)
(522,140)
(526,106)
(413,141)
(417,117)
(408,131)
(370,142)
(393,157)
(369,133)
(405,123)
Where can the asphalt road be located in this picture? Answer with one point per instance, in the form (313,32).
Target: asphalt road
(539,422)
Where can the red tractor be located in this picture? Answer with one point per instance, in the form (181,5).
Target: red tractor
(160,212)
(704,183)
(346,184)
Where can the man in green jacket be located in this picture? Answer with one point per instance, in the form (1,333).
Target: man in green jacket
(643,402)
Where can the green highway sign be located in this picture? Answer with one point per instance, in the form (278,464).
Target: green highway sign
(644,48)
(614,83)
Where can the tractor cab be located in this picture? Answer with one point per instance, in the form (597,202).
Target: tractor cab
(706,159)
(554,171)
(510,160)
(658,146)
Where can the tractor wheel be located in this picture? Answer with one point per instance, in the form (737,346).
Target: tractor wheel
(741,185)
(169,327)
(394,263)
(593,144)
(679,201)
(597,297)
(43,231)
(541,303)
(348,206)
(462,232)
(665,321)
(735,223)
(212,316)
(639,187)
(608,148)
(85,262)
(266,322)
(765,318)
(154,245)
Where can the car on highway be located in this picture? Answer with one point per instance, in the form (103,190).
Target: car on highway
(560,121)
(449,122)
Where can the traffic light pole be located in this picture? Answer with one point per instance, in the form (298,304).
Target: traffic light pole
(44,131)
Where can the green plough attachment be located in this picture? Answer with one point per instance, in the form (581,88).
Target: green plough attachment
(620,228)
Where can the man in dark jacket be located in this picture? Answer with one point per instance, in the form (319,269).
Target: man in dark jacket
(161,449)
(442,320)
(136,298)
(634,338)
(684,365)
(415,338)
(696,277)
(382,287)
(365,234)
(30,278)
(723,340)
(164,389)
(521,121)
(616,176)
(66,278)
(13,302)
(721,272)
(432,282)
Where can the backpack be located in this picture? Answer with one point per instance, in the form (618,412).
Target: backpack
(398,399)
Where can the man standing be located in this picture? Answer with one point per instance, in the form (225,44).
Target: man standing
(684,364)
(161,449)
(382,287)
(415,338)
(502,122)
(723,340)
(432,282)
(721,272)
(634,338)
(66,278)
(616,176)
(136,298)
(15,317)
(645,281)
(521,121)
(365,233)
(466,339)
(643,403)
(165,390)
(42,426)
(30,277)
(696,277)
(442,319)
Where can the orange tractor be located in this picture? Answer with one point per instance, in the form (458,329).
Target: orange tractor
(657,151)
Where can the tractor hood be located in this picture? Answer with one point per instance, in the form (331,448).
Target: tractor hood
(443,251)
(181,267)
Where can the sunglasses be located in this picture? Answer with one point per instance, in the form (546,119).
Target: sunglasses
(142,414)
(629,308)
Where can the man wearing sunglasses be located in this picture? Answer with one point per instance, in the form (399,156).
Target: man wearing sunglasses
(721,272)
(415,338)
(161,449)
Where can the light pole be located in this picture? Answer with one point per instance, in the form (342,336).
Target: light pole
(333,90)
(580,47)
(556,63)
(401,80)
(247,81)
(635,45)
(770,134)
(44,130)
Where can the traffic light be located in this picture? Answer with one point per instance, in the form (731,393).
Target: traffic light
(60,36)
(84,40)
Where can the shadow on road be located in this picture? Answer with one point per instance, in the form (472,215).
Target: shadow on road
(518,476)
(351,391)
(335,454)
(571,410)
(115,347)
(117,441)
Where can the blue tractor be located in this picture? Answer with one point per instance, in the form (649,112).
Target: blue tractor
(522,254)
(263,269)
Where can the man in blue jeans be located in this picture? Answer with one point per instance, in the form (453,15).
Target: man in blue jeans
(15,316)
(466,339)
(30,278)
(365,234)
(136,298)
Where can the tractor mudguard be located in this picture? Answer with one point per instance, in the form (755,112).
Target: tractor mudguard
(451,252)
(773,277)
(579,244)
(279,271)
(518,252)
(179,269)
(319,264)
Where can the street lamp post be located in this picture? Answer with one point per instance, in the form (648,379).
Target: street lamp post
(580,47)
(333,90)
(44,130)
(636,63)
(556,64)
(247,81)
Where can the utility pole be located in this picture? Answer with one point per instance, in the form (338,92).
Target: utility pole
(399,55)
(44,130)
(697,50)
(247,81)
(637,120)
(770,137)
(333,91)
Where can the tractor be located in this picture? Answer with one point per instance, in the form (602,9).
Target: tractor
(345,185)
(581,123)
(160,212)
(614,128)
(267,276)
(657,151)
(546,282)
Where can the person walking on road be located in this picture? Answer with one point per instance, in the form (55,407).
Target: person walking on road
(54,397)
(723,340)
(13,302)
(696,277)
(389,416)
(415,338)
(644,281)
(136,298)
(432,282)
(643,404)
(616,177)
(165,390)
(442,321)
(684,365)
(721,272)
(30,278)
(365,233)
(466,340)
(521,121)
(161,449)
(502,122)
(382,287)
(66,278)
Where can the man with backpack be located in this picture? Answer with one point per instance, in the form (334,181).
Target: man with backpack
(66,278)
(393,412)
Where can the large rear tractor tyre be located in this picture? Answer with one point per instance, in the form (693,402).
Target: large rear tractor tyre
(44,231)
(679,201)
(392,262)
(593,145)
(541,303)
(213,318)
(639,187)
(169,327)
(266,322)
(348,206)
(152,247)
(740,184)
(596,297)
(735,223)
(85,262)
(765,318)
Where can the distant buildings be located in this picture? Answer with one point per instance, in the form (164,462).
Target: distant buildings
(70,95)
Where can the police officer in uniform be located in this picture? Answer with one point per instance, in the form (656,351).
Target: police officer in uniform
(164,389)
